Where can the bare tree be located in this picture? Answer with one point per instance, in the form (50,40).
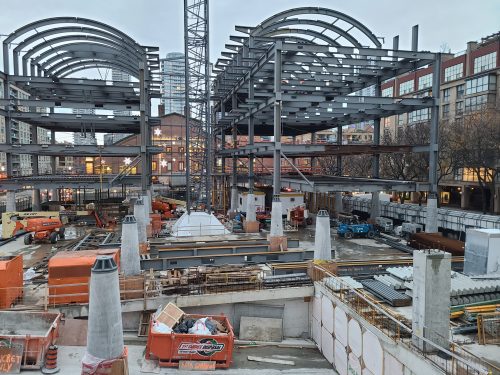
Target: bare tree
(476,144)
(352,165)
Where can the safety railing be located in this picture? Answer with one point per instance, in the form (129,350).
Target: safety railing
(453,359)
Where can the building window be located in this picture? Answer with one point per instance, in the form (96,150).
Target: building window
(388,92)
(446,95)
(181,166)
(485,62)
(419,115)
(181,150)
(168,149)
(446,110)
(479,84)
(401,120)
(154,165)
(406,87)
(454,72)
(425,81)
(460,91)
(459,109)
(475,103)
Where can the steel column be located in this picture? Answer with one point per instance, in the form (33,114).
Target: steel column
(277,120)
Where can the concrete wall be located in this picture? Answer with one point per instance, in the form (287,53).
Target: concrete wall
(377,354)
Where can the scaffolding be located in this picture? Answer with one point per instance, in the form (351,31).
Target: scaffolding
(197,86)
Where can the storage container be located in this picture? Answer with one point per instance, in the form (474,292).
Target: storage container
(11,280)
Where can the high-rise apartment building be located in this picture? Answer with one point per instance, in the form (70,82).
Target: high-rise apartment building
(470,82)
(21,133)
(172,89)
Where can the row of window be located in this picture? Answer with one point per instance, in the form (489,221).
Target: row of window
(419,115)
(480,84)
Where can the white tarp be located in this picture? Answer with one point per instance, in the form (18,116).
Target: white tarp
(198,224)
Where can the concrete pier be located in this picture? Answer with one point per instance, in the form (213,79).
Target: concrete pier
(322,237)
(251,224)
(338,202)
(105,332)
(375,209)
(10,201)
(277,241)
(35,200)
(431,220)
(130,259)
(140,217)
(234,199)
(431,298)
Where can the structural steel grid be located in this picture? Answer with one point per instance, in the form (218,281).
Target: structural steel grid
(39,59)
(301,71)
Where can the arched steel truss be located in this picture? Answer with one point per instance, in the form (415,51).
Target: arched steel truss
(41,57)
(301,71)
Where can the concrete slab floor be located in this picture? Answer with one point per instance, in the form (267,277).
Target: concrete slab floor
(307,361)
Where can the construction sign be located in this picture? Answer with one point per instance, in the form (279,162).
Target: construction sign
(10,357)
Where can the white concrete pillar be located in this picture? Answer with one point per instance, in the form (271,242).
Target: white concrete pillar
(322,237)
(251,213)
(130,260)
(10,201)
(431,298)
(148,207)
(464,198)
(375,208)
(234,199)
(338,202)
(431,220)
(140,217)
(35,200)
(105,332)
(276,218)
(53,195)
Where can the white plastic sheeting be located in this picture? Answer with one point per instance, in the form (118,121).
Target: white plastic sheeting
(353,365)
(392,366)
(327,314)
(322,238)
(340,357)
(250,209)
(327,345)
(374,357)
(355,338)
(198,224)
(340,325)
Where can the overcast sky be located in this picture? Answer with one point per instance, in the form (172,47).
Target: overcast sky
(160,22)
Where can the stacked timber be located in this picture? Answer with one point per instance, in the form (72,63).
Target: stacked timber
(437,241)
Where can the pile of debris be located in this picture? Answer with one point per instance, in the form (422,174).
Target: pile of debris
(173,319)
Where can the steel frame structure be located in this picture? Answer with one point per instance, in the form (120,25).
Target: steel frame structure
(47,52)
(197,88)
(300,71)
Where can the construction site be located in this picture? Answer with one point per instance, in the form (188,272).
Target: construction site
(257,260)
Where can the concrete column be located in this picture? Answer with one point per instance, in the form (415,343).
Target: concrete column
(338,202)
(277,242)
(54,195)
(322,238)
(35,200)
(234,198)
(251,224)
(10,201)
(431,219)
(105,332)
(148,207)
(375,209)
(130,259)
(251,213)
(141,222)
(431,298)
(464,198)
